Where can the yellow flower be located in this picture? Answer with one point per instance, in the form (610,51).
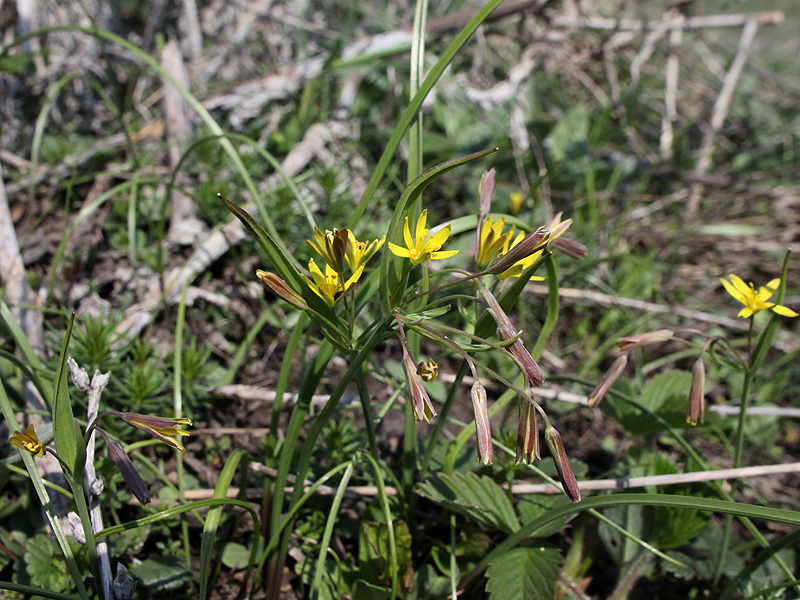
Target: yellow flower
(358,253)
(158,427)
(423,247)
(755,301)
(492,241)
(28,441)
(518,267)
(329,286)
(331,246)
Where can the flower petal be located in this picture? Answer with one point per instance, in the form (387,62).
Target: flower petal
(733,291)
(783,311)
(399,250)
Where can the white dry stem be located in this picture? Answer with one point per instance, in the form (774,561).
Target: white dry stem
(94,389)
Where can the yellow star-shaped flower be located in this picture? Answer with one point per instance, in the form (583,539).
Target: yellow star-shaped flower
(358,253)
(755,301)
(518,267)
(493,240)
(28,441)
(328,286)
(423,246)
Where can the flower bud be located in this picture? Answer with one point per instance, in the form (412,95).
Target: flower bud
(608,380)
(133,480)
(556,446)
(522,356)
(628,343)
(697,400)
(281,289)
(421,402)
(483,429)
(534,241)
(527,433)
(571,248)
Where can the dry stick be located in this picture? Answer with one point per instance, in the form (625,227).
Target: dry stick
(719,113)
(687,24)
(94,488)
(18,295)
(670,94)
(184,227)
(648,48)
(521,487)
(314,145)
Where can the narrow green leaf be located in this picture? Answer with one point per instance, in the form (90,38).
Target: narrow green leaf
(63,428)
(524,574)
(213,520)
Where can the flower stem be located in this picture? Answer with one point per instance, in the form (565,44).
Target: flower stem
(737,461)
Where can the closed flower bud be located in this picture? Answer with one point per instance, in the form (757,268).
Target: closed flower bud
(534,241)
(133,480)
(483,429)
(420,401)
(280,288)
(527,433)
(697,399)
(628,343)
(565,473)
(608,380)
(571,248)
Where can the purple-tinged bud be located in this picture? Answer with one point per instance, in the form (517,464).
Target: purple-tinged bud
(628,343)
(428,371)
(527,433)
(133,480)
(485,188)
(571,248)
(483,429)
(506,332)
(420,401)
(607,380)
(565,473)
(697,399)
(281,289)
(534,241)
(522,356)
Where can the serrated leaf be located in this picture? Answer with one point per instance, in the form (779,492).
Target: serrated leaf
(45,565)
(660,388)
(524,574)
(534,506)
(477,497)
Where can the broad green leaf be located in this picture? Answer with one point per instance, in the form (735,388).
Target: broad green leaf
(63,419)
(663,386)
(569,134)
(374,549)
(162,573)
(524,574)
(477,497)
(45,566)
(534,506)
(235,556)
(363,590)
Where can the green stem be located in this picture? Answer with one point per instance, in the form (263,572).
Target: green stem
(737,462)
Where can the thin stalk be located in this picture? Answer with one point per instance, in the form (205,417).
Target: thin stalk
(737,462)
